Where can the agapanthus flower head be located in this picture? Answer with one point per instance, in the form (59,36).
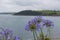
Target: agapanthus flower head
(7,31)
(17,37)
(32,25)
(38,19)
(48,23)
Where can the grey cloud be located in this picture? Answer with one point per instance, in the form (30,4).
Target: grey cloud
(26,3)
(18,5)
(39,3)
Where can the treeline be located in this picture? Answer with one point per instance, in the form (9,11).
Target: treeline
(41,12)
(50,12)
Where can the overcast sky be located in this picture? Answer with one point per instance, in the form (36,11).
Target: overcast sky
(19,5)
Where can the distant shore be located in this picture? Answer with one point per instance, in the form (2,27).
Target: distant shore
(35,13)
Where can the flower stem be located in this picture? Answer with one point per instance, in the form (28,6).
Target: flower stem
(49,32)
(41,35)
(21,38)
(2,37)
(34,35)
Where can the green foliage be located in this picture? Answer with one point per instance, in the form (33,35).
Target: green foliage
(47,39)
(49,12)
(39,12)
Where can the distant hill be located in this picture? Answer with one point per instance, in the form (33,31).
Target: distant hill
(43,12)
(28,12)
(35,13)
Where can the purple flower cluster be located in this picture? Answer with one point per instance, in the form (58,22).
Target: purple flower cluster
(8,35)
(17,37)
(34,24)
(48,23)
(7,32)
(38,19)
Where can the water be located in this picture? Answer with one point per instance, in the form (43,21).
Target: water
(17,24)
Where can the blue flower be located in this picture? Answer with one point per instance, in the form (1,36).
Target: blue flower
(48,23)
(17,37)
(33,25)
(38,19)
(7,33)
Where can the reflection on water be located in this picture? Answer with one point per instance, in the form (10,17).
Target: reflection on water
(17,24)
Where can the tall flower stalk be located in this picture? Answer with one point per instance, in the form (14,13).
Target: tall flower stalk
(41,34)
(48,24)
(33,26)
(39,20)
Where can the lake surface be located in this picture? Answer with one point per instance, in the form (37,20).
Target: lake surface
(17,24)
